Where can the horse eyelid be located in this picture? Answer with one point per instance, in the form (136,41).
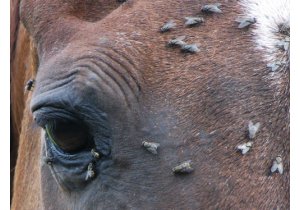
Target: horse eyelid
(49,134)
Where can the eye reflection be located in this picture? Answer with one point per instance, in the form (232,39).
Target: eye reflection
(69,136)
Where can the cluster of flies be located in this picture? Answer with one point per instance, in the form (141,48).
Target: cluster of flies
(183,168)
(186,166)
(189,22)
(244,148)
(244,22)
(91,168)
(283,45)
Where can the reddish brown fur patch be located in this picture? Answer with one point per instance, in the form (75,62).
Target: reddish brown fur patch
(14,23)
(27,192)
(24,62)
(23,67)
(220,89)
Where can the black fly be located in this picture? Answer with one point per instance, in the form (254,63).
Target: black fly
(29,85)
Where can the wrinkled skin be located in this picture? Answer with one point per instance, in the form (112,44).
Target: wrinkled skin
(110,69)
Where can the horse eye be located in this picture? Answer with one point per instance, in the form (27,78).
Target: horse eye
(69,136)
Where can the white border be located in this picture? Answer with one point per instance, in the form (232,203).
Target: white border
(295,106)
(5,105)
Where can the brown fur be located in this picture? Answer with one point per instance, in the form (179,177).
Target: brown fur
(27,174)
(182,99)
(14,21)
(23,67)
(14,24)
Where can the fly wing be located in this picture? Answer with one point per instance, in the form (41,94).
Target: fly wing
(244,24)
(215,9)
(280,168)
(274,167)
(244,151)
(241,147)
